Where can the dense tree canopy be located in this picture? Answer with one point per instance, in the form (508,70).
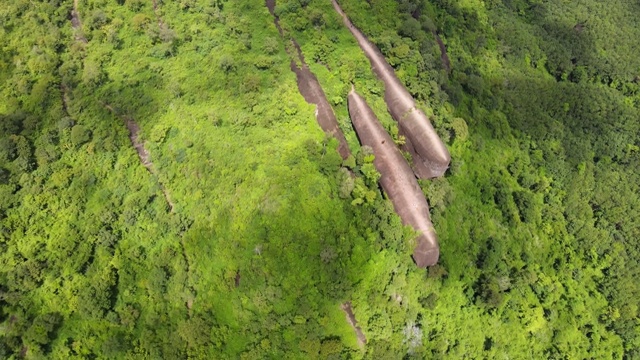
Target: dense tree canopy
(245,231)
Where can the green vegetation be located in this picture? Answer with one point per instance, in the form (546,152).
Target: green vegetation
(267,233)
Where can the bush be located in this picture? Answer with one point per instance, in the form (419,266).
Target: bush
(98,19)
(65,123)
(140,21)
(271,45)
(263,62)
(80,135)
(7,149)
(227,64)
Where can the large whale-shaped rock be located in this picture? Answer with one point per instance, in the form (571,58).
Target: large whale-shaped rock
(430,155)
(397,179)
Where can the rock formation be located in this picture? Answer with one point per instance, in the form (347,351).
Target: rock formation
(432,158)
(397,179)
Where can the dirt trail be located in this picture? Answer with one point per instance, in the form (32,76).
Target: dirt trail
(351,318)
(76,23)
(143,154)
(446,63)
(271,5)
(138,145)
(429,148)
(397,180)
(145,160)
(157,12)
(310,89)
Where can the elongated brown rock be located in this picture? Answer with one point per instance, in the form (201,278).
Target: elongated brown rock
(402,107)
(397,179)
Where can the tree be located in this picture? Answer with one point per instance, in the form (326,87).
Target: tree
(227,64)
(115,346)
(196,332)
(23,152)
(4,176)
(43,328)
(330,348)
(411,28)
(7,149)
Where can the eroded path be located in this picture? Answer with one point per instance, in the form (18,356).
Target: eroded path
(132,126)
(136,142)
(310,89)
(134,129)
(138,145)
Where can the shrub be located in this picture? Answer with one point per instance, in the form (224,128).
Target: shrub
(80,135)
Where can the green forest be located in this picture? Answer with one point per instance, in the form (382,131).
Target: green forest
(167,193)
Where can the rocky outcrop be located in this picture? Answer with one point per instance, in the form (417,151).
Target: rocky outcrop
(351,318)
(432,158)
(312,92)
(397,179)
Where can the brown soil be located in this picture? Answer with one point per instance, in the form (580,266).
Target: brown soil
(397,180)
(429,149)
(351,318)
(271,5)
(134,131)
(310,89)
